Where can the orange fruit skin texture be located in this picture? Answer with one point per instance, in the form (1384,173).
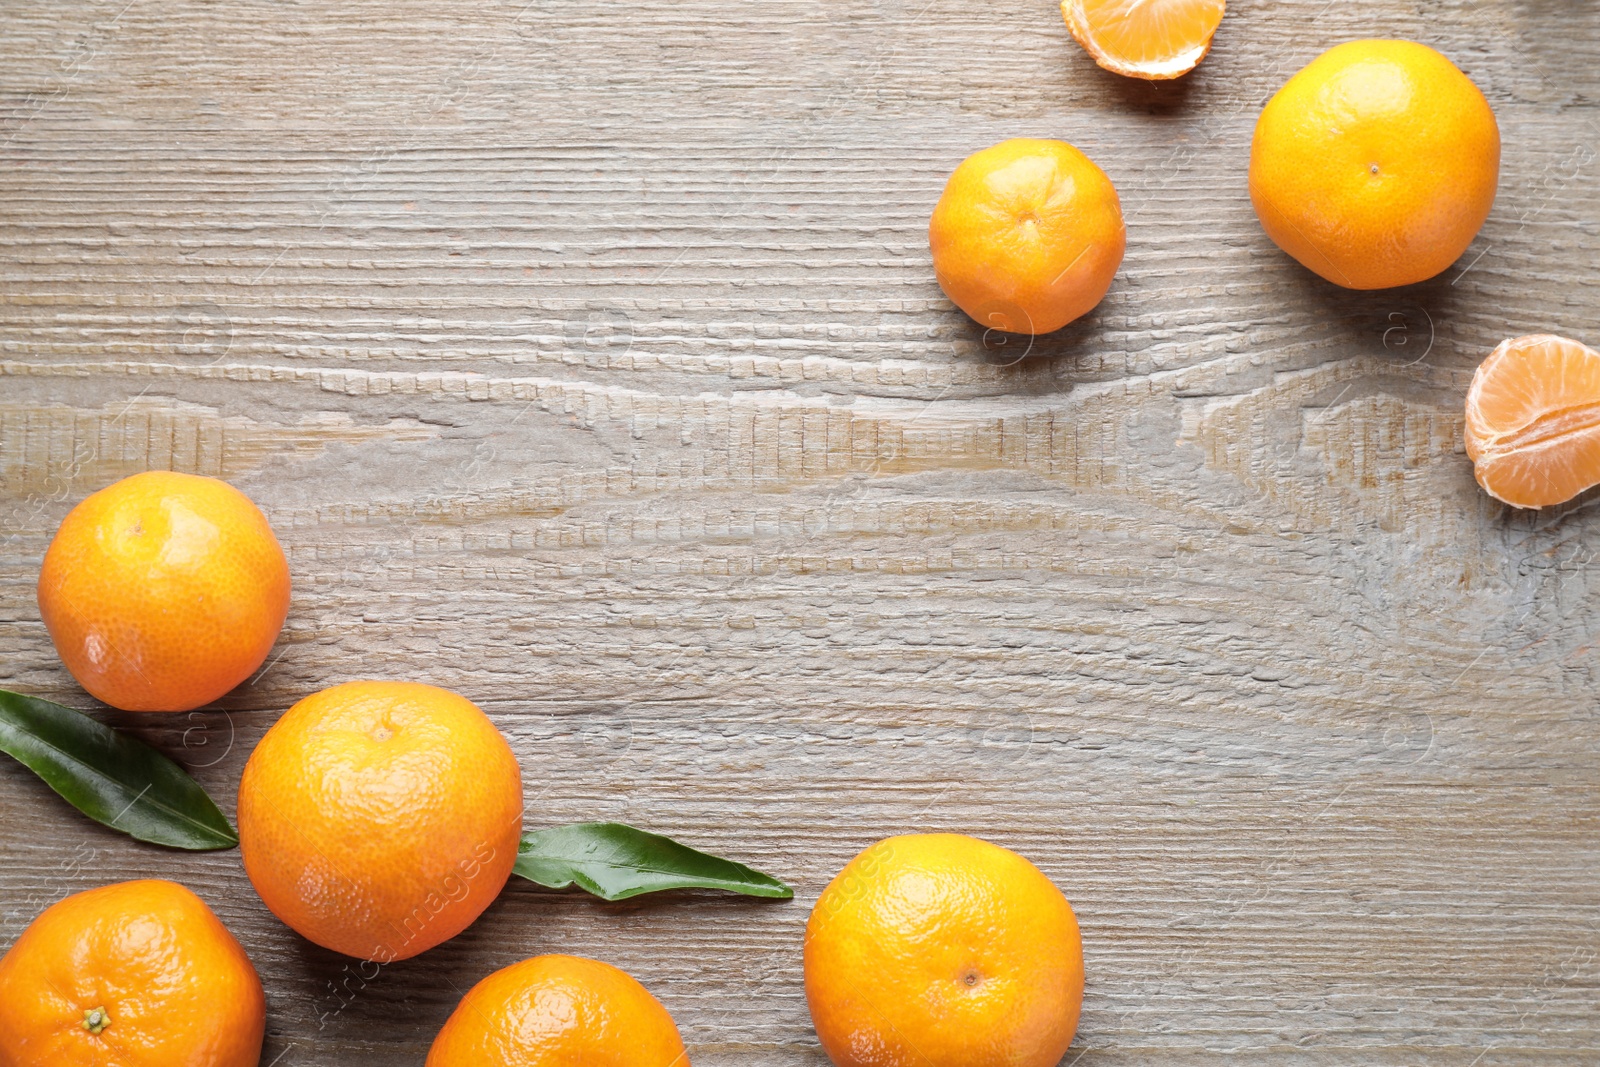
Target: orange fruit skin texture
(379,819)
(163,591)
(1533,421)
(559,1011)
(1155,39)
(1376,165)
(1027,236)
(178,989)
(939,950)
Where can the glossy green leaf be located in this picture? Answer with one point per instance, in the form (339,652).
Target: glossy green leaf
(111,777)
(615,862)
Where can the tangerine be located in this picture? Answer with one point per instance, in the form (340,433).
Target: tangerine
(559,1011)
(1027,236)
(1153,39)
(380,819)
(163,591)
(940,950)
(1376,165)
(137,974)
(1533,421)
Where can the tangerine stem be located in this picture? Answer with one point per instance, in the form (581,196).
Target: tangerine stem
(96,1020)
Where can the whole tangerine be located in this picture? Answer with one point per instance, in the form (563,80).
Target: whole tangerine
(379,819)
(941,950)
(559,1011)
(163,591)
(1027,236)
(137,974)
(1376,165)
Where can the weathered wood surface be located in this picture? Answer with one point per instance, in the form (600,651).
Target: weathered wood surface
(588,360)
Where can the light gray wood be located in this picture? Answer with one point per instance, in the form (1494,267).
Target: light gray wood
(588,361)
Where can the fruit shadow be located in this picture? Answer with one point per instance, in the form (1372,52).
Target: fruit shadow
(1017,357)
(341,995)
(1537,529)
(1435,323)
(1152,96)
(1162,97)
(1428,323)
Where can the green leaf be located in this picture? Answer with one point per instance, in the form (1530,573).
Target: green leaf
(615,862)
(110,777)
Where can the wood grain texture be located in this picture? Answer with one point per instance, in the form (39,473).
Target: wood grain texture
(588,360)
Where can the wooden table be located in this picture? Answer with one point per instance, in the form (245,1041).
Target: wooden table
(588,360)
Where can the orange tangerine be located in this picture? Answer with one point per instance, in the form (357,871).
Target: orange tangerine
(1376,165)
(941,950)
(1027,236)
(137,974)
(163,591)
(380,819)
(559,1011)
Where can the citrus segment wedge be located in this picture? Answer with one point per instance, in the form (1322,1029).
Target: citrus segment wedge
(1533,421)
(1151,39)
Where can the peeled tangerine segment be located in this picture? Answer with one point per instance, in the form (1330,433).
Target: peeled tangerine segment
(1153,39)
(1533,421)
